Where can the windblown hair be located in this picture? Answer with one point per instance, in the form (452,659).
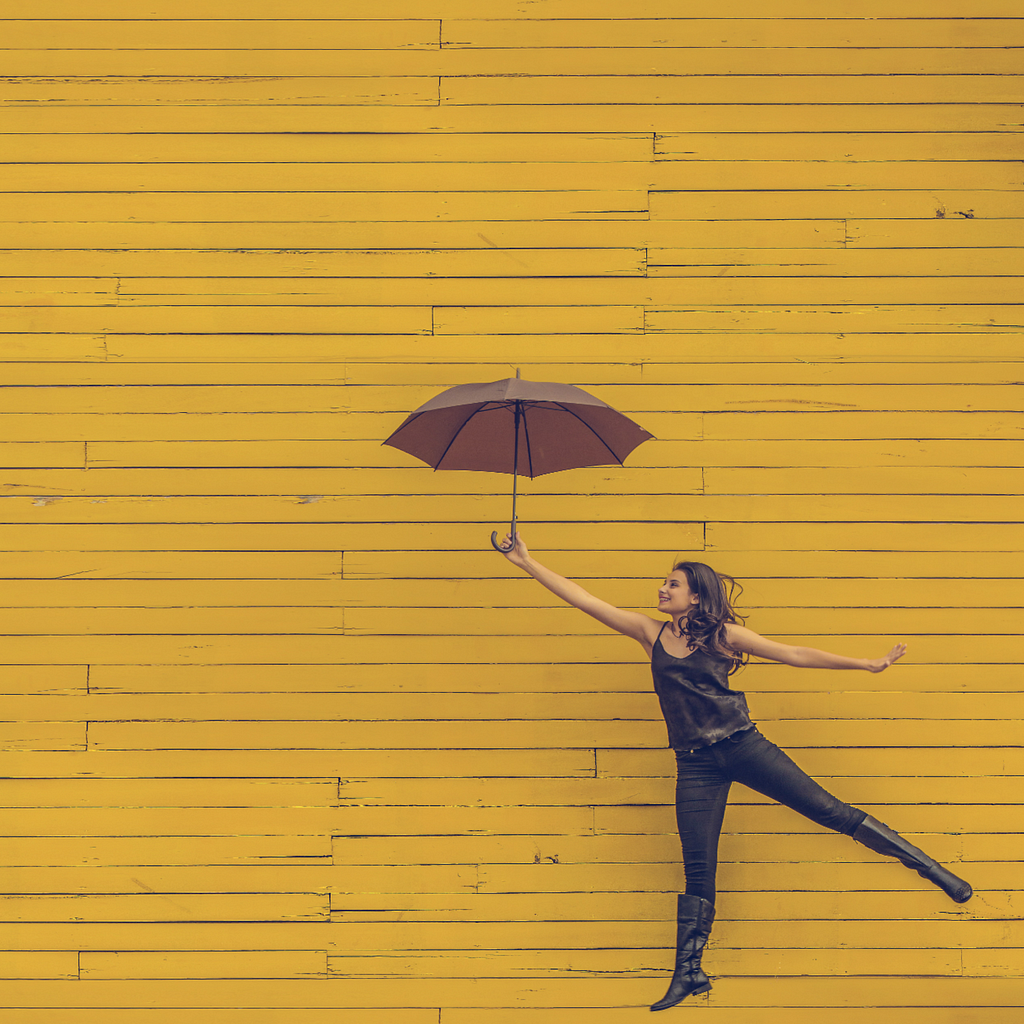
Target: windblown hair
(704,628)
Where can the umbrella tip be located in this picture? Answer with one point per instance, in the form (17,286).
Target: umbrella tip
(517,373)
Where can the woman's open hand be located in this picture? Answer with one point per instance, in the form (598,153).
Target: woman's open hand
(881,664)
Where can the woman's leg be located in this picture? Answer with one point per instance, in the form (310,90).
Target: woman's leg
(761,765)
(701,793)
(702,790)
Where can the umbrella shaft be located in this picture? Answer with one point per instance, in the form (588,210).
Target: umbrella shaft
(515,468)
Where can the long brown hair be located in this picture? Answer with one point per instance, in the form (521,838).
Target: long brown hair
(704,627)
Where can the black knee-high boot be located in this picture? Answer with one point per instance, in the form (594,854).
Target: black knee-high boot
(877,836)
(694,918)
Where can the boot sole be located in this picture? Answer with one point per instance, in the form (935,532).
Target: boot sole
(696,992)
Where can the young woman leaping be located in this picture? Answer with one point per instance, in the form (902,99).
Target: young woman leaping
(715,742)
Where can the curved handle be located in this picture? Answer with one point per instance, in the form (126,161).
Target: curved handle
(497,546)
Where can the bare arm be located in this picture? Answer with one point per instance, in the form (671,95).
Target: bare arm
(747,641)
(641,628)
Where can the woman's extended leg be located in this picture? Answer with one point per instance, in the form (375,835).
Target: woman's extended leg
(761,765)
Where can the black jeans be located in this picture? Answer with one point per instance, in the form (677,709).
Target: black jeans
(702,788)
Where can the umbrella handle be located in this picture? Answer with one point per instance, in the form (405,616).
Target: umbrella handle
(497,546)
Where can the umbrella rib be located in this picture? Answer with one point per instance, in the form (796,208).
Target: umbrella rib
(437,465)
(591,429)
(526,432)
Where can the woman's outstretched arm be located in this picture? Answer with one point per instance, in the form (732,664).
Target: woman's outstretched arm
(641,628)
(746,640)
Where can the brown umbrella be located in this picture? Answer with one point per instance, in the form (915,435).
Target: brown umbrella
(517,426)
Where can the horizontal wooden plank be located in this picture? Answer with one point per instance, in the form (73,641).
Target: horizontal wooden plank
(568,229)
(622,936)
(483,734)
(873,877)
(918,456)
(516,592)
(327,398)
(340,483)
(236,33)
(923,358)
(312,192)
(358,148)
(122,476)
(728,963)
(313,648)
(286,822)
(222,298)
(840,263)
(923,904)
(541,993)
(107,681)
(844,425)
(951,207)
(775,818)
(726,1014)
(157,907)
(242,90)
(825,145)
(139,851)
(170,793)
(856,536)
(347,487)
(360,319)
(950,228)
(625,850)
(416,219)
(41,454)
(457,183)
(42,736)
(277,535)
(735,31)
(45,679)
(646,89)
(516,60)
(821,760)
(177,565)
(556,621)
(506,9)
(248,963)
(49,964)
(528,118)
(384,88)
(892,790)
(576,565)
(207,880)
(479,734)
(384,763)
(227,300)
(556,937)
(647,370)
(171,936)
(877,479)
(596,60)
(373,263)
(853,319)
(222,1015)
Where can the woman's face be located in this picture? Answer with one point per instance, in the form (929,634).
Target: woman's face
(675,597)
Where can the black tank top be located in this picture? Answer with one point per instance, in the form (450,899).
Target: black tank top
(698,706)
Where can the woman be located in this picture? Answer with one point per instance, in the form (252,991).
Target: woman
(715,742)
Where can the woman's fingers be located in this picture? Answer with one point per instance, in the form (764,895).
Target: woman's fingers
(896,653)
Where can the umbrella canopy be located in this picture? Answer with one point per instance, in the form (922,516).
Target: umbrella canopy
(519,427)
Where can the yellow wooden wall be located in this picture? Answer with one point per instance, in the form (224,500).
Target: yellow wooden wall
(284,740)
